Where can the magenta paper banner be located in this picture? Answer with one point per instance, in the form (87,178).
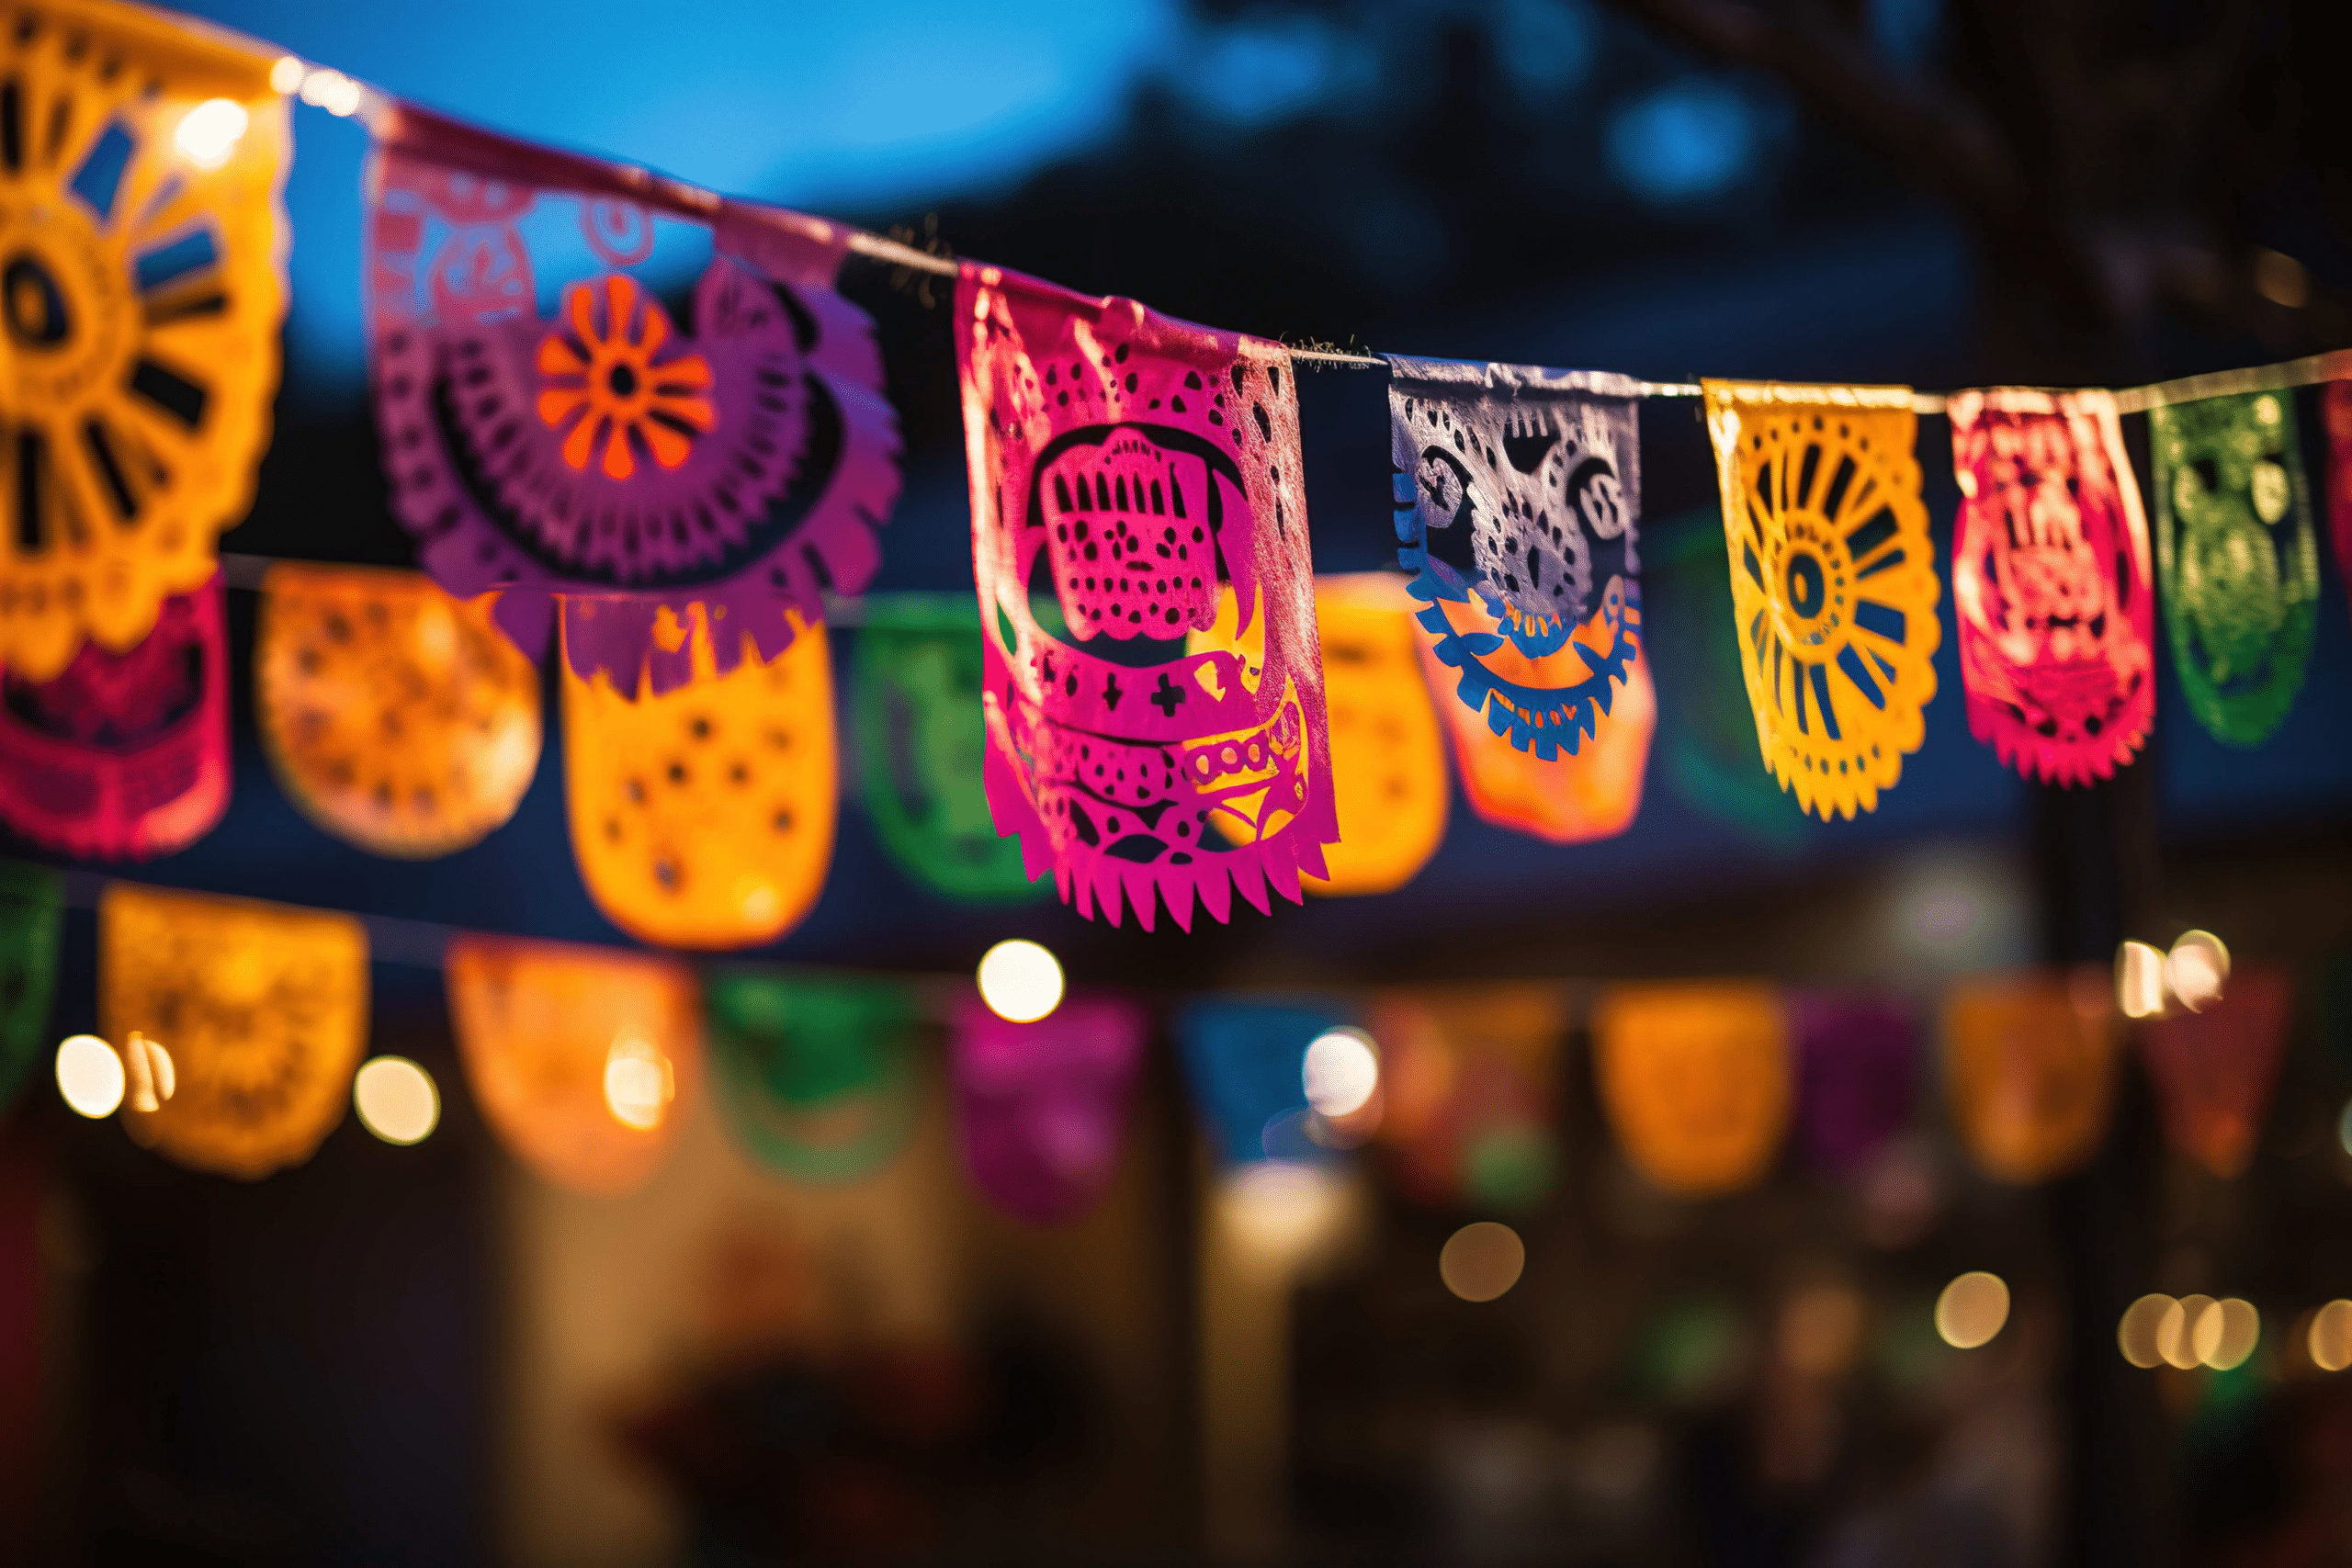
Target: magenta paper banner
(1041,1106)
(123,756)
(552,431)
(2051,583)
(2336,413)
(1153,465)
(1858,1075)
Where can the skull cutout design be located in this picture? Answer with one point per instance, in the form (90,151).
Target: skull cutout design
(1696,1081)
(1142,467)
(262,1010)
(123,755)
(394,715)
(1041,1106)
(612,455)
(1833,582)
(32,919)
(2051,578)
(2029,1071)
(141,289)
(704,817)
(823,1073)
(582,1059)
(921,741)
(2239,558)
(1388,757)
(1537,474)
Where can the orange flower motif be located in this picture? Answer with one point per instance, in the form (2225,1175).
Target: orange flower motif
(607,386)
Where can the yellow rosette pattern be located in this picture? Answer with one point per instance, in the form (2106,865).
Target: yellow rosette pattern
(261,1010)
(1833,582)
(703,818)
(395,716)
(141,293)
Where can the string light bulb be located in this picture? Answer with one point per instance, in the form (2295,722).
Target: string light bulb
(396,1099)
(89,1075)
(208,133)
(1020,981)
(1341,1072)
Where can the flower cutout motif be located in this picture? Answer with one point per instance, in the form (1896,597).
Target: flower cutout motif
(606,386)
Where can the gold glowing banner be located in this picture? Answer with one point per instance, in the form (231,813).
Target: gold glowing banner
(261,1010)
(395,716)
(1469,1080)
(2029,1070)
(1833,582)
(1696,1080)
(1594,792)
(582,1059)
(1388,758)
(139,221)
(702,817)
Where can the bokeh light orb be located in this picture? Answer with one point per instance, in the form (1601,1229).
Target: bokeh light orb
(1020,981)
(2236,1330)
(639,1082)
(396,1099)
(209,133)
(2330,1340)
(2182,1334)
(2197,970)
(1481,1260)
(1973,1309)
(90,1076)
(2135,1336)
(2139,980)
(1341,1072)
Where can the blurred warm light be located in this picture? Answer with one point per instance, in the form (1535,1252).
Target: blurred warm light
(2184,1335)
(2196,970)
(2236,1329)
(148,1077)
(2331,1336)
(1020,981)
(2344,1128)
(397,1102)
(639,1082)
(330,90)
(208,133)
(89,1075)
(1481,1261)
(2136,1335)
(285,76)
(1341,1072)
(2139,980)
(1281,1209)
(1821,1329)
(1973,1309)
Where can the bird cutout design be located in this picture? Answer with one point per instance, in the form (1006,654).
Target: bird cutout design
(1696,1081)
(821,1075)
(124,756)
(584,1060)
(1537,474)
(921,739)
(627,457)
(1833,582)
(1388,774)
(1142,468)
(2029,1070)
(32,922)
(1041,1109)
(140,284)
(702,817)
(261,1010)
(395,716)
(2238,558)
(2051,583)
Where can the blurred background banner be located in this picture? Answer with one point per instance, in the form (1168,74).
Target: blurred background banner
(1245,1062)
(2239,558)
(582,1060)
(1857,1078)
(2051,583)
(820,1077)
(1471,1080)
(250,1019)
(2214,1070)
(2029,1069)
(395,716)
(1042,1108)
(124,756)
(921,740)
(32,921)
(702,817)
(1697,1081)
